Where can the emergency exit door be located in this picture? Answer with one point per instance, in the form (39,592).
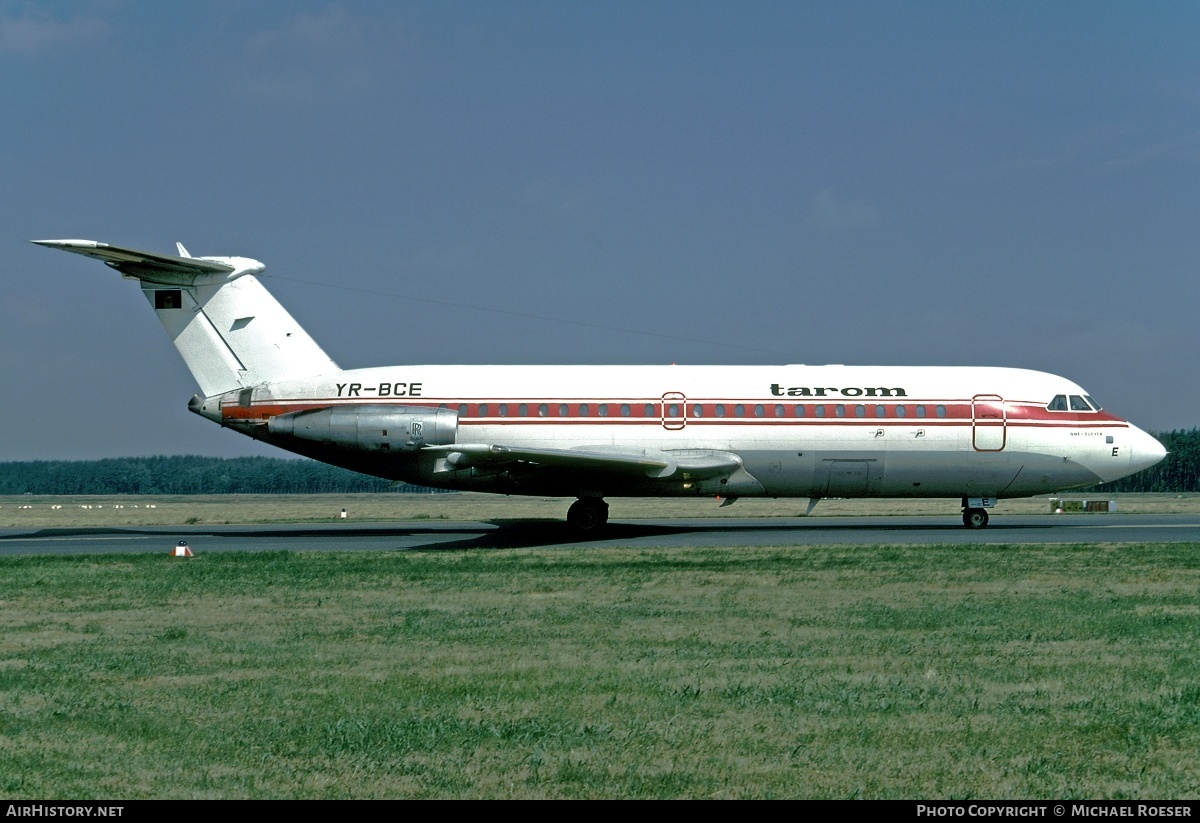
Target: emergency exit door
(674,410)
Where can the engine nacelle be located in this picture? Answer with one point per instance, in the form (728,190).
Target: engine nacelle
(369,428)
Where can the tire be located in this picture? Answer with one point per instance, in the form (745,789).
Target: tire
(587,514)
(975,518)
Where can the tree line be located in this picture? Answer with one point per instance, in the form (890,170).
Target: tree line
(1179,472)
(188,475)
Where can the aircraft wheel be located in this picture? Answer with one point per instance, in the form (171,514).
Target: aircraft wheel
(587,514)
(975,518)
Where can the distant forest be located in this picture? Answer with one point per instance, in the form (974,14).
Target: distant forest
(1179,472)
(189,475)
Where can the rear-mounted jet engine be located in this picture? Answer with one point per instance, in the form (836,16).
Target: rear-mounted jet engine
(369,428)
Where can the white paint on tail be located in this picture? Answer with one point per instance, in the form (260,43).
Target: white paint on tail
(230,331)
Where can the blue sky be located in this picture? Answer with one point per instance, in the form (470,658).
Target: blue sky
(944,183)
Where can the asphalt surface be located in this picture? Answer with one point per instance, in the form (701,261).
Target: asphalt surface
(513,534)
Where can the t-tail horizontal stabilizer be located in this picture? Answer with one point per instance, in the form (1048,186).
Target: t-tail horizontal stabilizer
(231,332)
(155,268)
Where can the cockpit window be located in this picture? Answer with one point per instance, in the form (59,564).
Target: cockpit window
(1059,403)
(1079,404)
(1092,400)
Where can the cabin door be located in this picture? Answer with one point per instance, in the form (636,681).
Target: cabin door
(989,422)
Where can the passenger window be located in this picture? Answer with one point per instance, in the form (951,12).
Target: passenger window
(602,410)
(720,410)
(941,410)
(624,409)
(1059,403)
(563,410)
(483,410)
(899,411)
(780,411)
(1079,404)
(543,410)
(583,409)
(839,410)
(502,410)
(880,411)
(697,410)
(523,410)
(462,409)
(920,411)
(799,409)
(820,410)
(759,411)
(648,411)
(739,410)
(860,410)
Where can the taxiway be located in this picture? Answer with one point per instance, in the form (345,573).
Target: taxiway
(684,533)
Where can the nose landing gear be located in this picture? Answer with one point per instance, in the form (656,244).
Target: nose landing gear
(975,514)
(975,518)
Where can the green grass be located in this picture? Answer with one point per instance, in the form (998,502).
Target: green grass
(884,672)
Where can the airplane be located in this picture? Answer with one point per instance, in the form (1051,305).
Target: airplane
(592,432)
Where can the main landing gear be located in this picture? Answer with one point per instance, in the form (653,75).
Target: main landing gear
(588,514)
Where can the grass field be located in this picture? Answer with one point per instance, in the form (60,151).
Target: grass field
(879,672)
(171,510)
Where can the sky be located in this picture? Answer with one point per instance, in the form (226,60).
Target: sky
(878,183)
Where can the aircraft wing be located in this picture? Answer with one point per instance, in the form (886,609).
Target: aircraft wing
(138,263)
(697,464)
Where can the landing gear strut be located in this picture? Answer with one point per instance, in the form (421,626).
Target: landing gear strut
(975,518)
(588,514)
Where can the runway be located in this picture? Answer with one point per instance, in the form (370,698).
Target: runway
(515,534)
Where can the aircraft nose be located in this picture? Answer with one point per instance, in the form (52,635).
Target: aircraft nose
(1144,450)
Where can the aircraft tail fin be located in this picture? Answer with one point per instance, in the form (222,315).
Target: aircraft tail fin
(231,332)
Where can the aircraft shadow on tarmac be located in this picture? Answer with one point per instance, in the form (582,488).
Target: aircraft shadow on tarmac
(533,533)
(529,534)
(518,534)
(525,533)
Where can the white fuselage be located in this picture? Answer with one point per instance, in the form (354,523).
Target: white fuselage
(805,431)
